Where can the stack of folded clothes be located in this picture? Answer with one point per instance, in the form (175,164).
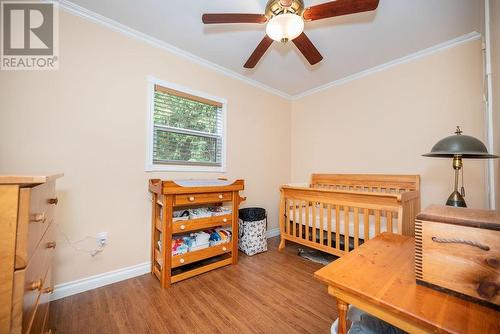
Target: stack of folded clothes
(201,213)
(195,241)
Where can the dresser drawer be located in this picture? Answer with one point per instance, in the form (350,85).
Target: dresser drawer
(203,198)
(36,274)
(36,213)
(17,301)
(38,325)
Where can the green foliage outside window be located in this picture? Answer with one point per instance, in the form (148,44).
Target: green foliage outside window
(191,132)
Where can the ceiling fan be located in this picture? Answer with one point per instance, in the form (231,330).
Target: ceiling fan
(285,22)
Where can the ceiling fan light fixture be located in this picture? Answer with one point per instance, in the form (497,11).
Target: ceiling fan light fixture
(285,27)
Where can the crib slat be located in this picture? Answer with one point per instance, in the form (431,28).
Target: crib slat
(297,214)
(288,203)
(329,226)
(306,223)
(337,227)
(314,218)
(294,219)
(366,218)
(301,223)
(346,229)
(356,227)
(321,222)
(389,221)
(377,222)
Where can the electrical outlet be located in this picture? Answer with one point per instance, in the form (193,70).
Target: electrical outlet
(102,238)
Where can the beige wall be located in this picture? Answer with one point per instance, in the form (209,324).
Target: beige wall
(495,60)
(382,123)
(88,120)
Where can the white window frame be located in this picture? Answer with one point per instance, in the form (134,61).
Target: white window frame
(150,165)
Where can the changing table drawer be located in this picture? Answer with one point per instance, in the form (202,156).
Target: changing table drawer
(202,254)
(200,223)
(203,198)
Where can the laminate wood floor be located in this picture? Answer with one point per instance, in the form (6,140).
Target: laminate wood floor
(272,292)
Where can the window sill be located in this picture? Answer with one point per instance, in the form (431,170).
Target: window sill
(180,168)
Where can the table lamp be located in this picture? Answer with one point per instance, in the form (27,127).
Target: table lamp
(459,147)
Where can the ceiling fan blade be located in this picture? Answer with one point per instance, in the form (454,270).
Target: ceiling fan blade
(259,52)
(233,18)
(304,44)
(339,8)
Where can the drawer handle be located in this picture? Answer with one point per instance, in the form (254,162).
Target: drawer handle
(191,199)
(224,249)
(461,241)
(36,285)
(53,201)
(182,260)
(493,262)
(183,227)
(488,289)
(39,218)
(221,196)
(51,244)
(48,290)
(224,220)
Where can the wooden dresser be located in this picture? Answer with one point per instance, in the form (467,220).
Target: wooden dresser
(27,243)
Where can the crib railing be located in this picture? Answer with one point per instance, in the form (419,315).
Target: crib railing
(367,182)
(337,221)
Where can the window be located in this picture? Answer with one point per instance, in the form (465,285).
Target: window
(186,130)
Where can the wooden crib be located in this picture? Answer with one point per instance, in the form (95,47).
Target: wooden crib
(337,213)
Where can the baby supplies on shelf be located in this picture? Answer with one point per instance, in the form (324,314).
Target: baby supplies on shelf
(220,236)
(180,215)
(220,210)
(204,212)
(200,240)
(199,213)
(180,246)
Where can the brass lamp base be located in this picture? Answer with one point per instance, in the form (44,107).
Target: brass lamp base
(456,200)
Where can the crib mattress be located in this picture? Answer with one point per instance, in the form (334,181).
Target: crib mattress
(316,220)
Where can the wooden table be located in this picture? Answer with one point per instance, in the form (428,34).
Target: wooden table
(379,278)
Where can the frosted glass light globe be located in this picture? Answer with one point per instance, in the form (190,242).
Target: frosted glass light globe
(285,27)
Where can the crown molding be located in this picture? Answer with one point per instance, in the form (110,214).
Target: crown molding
(114,25)
(77,10)
(413,56)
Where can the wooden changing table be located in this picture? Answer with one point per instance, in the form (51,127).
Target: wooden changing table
(379,278)
(170,195)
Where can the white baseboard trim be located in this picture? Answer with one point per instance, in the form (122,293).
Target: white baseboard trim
(97,281)
(273,232)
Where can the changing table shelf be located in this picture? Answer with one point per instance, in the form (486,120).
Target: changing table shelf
(177,195)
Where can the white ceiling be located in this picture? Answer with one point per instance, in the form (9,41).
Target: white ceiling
(349,44)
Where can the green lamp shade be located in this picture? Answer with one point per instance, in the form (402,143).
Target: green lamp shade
(458,144)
